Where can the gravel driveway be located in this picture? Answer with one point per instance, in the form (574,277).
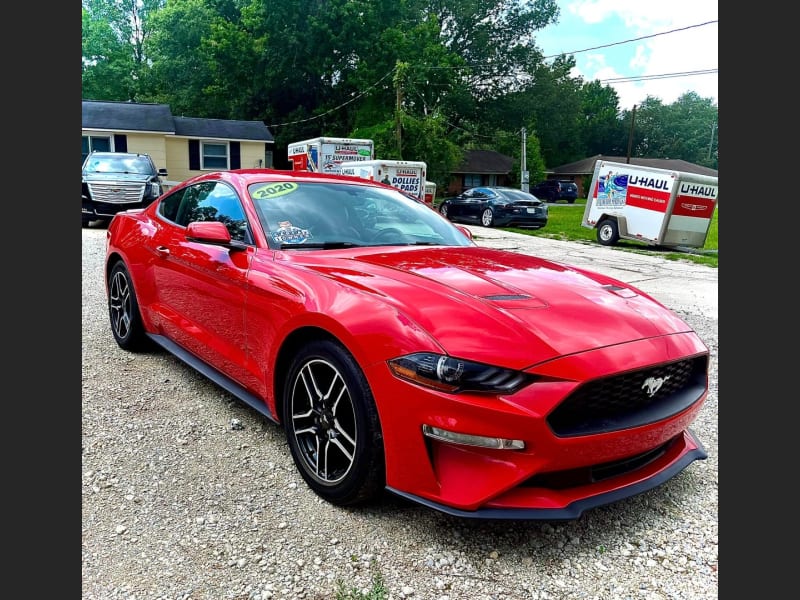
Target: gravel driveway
(189,494)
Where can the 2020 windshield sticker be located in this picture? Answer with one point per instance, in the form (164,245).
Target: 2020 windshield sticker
(273,190)
(289,234)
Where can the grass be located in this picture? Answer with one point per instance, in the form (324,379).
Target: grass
(377,591)
(564,223)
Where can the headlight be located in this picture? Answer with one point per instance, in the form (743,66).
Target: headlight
(155,189)
(453,375)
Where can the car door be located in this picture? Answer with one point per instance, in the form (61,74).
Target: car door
(478,200)
(201,287)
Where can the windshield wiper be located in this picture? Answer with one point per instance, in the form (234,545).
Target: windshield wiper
(322,245)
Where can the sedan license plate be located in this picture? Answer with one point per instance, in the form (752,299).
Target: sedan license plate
(531,210)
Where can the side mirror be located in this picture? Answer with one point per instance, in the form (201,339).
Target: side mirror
(210,232)
(162,172)
(465,231)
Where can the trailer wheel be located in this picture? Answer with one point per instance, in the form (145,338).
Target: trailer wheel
(607,232)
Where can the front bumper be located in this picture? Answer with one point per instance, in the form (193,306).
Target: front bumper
(554,476)
(551,505)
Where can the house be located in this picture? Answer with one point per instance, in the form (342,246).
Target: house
(480,167)
(185,146)
(581,172)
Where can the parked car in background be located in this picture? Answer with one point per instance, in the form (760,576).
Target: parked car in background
(115,181)
(549,190)
(569,191)
(399,355)
(495,206)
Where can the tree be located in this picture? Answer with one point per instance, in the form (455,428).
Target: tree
(684,129)
(113,37)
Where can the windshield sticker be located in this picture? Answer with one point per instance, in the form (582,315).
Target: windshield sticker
(289,234)
(273,190)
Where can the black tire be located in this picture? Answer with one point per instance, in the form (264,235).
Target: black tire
(443,210)
(86,221)
(487,217)
(123,311)
(570,200)
(607,232)
(332,425)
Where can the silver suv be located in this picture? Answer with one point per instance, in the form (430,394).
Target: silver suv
(117,181)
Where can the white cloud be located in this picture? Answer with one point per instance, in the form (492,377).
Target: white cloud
(691,49)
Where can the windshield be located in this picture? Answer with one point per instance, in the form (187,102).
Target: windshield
(310,215)
(119,164)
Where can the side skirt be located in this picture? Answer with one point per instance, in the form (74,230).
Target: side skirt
(221,380)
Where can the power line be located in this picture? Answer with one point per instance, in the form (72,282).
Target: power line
(644,37)
(659,76)
(342,105)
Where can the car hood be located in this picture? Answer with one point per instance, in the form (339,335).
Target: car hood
(474,300)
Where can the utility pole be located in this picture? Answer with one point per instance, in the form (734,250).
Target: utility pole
(399,122)
(711,141)
(630,135)
(399,75)
(524,175)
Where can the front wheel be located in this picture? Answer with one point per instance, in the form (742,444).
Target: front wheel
(123,311)
(443,210)
(487,217)
(607,232)
(332,425)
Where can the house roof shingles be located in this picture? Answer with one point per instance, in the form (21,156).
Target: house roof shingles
(586,166)
(485,162)
(126,116)
(222,129)
(139,116)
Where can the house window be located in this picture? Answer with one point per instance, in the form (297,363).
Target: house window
(214,156)
(472,180)
(97,143)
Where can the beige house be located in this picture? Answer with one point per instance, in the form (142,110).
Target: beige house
(185,146)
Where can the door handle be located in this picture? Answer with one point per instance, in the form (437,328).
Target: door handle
(162,251)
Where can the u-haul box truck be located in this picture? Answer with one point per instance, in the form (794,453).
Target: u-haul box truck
(660,207)
(326,154)
(430,193)
(405,175)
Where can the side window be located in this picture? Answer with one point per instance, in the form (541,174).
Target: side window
(214,201)
(168,207)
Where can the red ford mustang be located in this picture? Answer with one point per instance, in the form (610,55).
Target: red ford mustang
(397,354)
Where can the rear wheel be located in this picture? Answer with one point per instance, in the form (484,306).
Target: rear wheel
(487,217)
(443,210)
(332,425)
(607,232)
(123,311)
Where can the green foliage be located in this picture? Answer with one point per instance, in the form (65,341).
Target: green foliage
(452,75)
(378,590)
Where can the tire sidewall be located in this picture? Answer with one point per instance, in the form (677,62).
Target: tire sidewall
(365,477)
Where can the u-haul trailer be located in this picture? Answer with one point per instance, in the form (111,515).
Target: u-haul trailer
(660,207)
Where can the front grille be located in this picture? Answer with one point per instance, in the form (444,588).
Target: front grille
(117,193)
(625,400)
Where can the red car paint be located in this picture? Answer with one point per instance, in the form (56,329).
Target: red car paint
(244,309)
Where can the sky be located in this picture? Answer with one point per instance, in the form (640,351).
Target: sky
(589,24)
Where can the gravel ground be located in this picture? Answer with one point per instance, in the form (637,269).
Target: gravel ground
(189,494)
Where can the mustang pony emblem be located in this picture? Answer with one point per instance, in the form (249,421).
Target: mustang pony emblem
(652,384)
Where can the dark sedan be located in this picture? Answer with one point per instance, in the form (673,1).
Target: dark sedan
(495,206)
